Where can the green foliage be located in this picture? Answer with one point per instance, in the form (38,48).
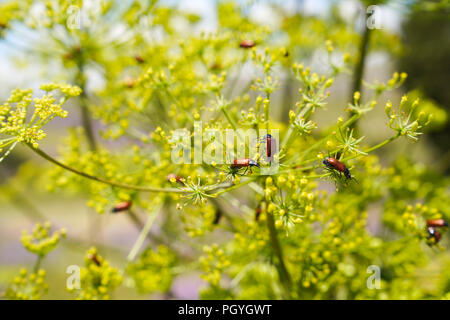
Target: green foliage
(305,232)
(98,278)
(27,286)
(153,271)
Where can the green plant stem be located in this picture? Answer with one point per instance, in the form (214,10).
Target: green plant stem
(284,275)
(85,116)
(233,187)
(288,139)
(98,179)
(144,233)
(229,118)
(266,115)
(346,124)
(37,265)
(118,184)
(87,123)
(381,144)
(359,68)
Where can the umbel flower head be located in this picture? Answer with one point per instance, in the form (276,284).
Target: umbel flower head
(153,271)
(22,125)
(41,241)
(27,286)
(98,278)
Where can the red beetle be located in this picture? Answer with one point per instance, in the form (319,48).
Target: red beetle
(246,44)
(139,59)
(335,164)
(174,176)
(123,206)
(94,258)
(258,211)
(244,163)
(437,223)
(271,146)
(434,234)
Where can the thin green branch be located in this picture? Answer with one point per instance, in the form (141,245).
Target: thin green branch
(359,68)
(378,146)
(305,152)
(233,187)
(129,186)
(144,233)
(101,180)
(283,272)
(37,265)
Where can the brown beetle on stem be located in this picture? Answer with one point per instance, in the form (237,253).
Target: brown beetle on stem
(335,164)
(247,44)
(94,258)
(437,223)
(434,234)
(173,177)
(139,59)
(244,163)
(122,206)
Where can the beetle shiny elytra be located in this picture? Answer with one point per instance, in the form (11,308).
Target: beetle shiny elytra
(246,44)
(271,146)
(122,206)
(437,223)
(335,164)
(244,163)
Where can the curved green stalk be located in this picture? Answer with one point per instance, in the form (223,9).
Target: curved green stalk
(129,186)
(37,265)
(283,272)
(98,179)
(144,233)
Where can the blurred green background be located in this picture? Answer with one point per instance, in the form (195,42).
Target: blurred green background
(413,40)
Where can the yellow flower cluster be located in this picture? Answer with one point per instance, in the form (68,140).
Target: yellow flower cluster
(153,271)
(98,278)
(41,241)
(213,263)
(13,113)
(27,286)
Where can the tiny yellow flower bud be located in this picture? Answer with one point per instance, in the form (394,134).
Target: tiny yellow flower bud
(388,108)
(329,83)
(271,207)
(292,115)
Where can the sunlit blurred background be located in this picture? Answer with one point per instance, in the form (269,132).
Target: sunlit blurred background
(408,41)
